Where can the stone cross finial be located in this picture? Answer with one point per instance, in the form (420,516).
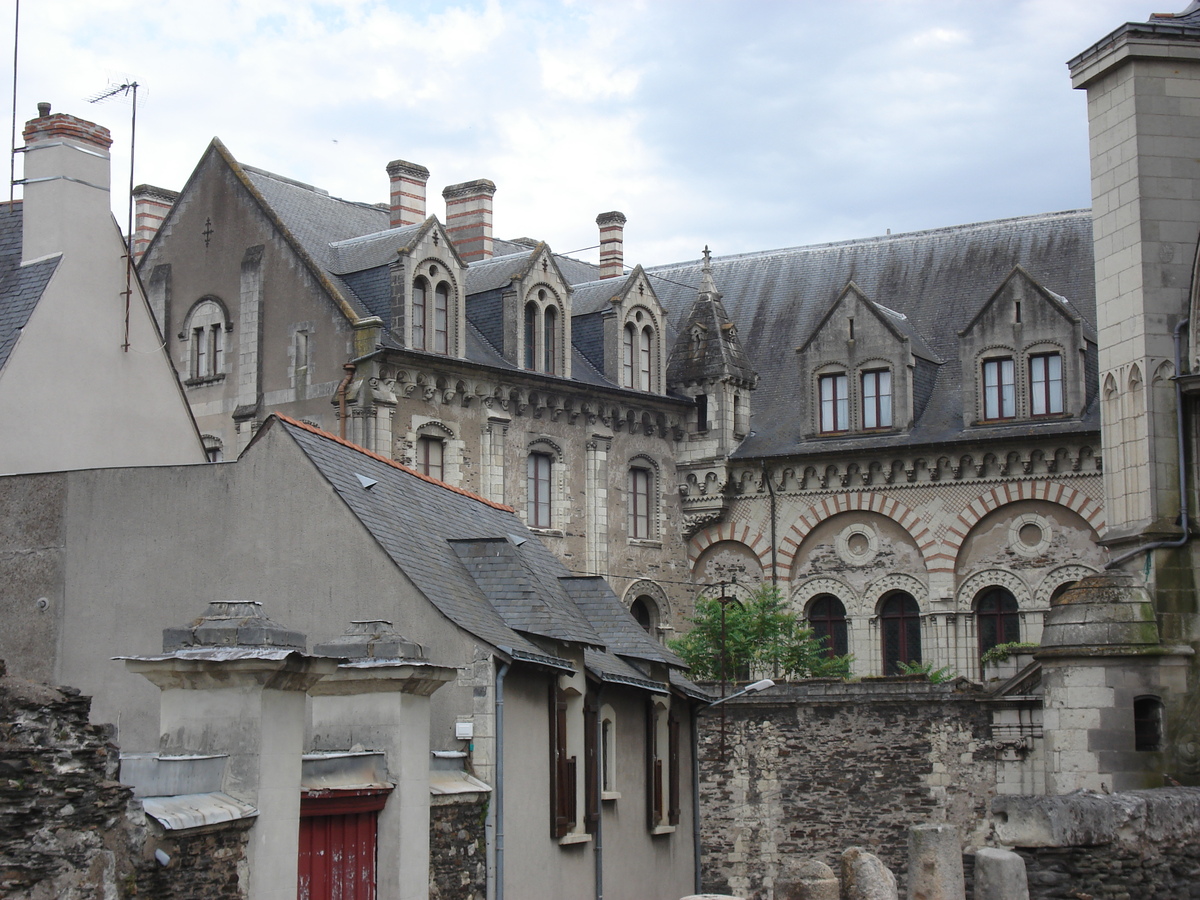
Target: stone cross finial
(707,257)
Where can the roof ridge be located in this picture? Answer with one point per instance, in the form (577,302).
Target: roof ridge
(391,462)
(881,238)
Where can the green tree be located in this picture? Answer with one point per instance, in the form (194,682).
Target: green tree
(762,636)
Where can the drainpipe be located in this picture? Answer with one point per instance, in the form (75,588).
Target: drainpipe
(1179,445)
(350,368)
(498,893)
(771,491)
(696,796)
(599,843)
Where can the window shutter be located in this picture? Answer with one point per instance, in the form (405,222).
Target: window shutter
(673,768)
(591,770)
(651,766)
(562,792)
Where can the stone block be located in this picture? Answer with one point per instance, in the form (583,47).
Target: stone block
(935,869)
(865,877)
(813,880)
(1000,875)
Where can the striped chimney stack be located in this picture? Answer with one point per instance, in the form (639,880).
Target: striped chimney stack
(612,244)
(469,218)
(408,192)
(150,206)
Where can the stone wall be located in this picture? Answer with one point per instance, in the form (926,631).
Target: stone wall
(206,864)
(1136,844)
(457,857)
(815,767)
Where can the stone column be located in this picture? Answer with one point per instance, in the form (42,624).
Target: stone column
(935,869)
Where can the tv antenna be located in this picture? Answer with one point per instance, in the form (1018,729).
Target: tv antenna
(128,88)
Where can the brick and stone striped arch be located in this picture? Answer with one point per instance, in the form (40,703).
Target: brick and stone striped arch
(863,502)
(738,532)
(1048,491)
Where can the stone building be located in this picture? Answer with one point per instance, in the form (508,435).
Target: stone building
(921,472)
(902,432)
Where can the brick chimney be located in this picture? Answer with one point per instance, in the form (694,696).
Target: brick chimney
(150,206)
(612,244)
(469,218)
(66,183)
(408,192)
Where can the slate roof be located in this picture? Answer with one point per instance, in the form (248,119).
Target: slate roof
(937,279)
(1161,26)
(477,562)
(21,287)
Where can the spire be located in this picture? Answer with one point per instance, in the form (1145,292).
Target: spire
(708,347)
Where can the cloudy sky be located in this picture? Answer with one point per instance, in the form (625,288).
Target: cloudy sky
(742,124)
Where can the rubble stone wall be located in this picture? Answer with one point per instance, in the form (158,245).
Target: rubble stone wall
(813,768)
(457,857)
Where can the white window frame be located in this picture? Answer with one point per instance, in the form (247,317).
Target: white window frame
(834,393)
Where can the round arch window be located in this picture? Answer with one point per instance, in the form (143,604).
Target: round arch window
(997,620)
(900,627)
(645,610)
(827,618)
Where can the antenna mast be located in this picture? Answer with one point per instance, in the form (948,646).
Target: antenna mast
(128,88)
(12,152)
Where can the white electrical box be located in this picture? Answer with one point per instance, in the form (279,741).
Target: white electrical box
(464,731)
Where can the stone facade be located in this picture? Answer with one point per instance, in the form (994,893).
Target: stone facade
(812,768)
(457,860)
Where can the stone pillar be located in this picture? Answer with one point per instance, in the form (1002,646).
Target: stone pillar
(597,503)
(1000,875)
(612,244)
(381,700)
(469,218)
(248,341)
(239,689)
(495,436)
(935,869)
(407,195)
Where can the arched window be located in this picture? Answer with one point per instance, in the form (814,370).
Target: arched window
(644,358)
(205,333)
(900,628)
(431,453)
(996,618)
(550,327)
(645,610)
(420,305)
(531,312)
(441,318)
(640,521)
(627,356)
(538,496)
(827,618)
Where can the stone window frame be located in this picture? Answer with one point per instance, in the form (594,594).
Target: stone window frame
(882,615)
(214,447)
(829,374)
(538,300)
(1018,546)
(640,331)
(1004,617)
(998,357)
(649,465)
(606,748)
(543,446)
(434,272)
(435,429)
(1148,723)
(208,317)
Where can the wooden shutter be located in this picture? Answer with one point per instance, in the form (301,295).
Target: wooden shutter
(673,768)
(591,768)
(562,768)
(653,768)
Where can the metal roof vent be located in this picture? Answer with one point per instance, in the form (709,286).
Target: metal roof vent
(366,482)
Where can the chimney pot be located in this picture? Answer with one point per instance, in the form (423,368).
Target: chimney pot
(469,218)
(43,110)
(612,244)
(407,192)
(151,205)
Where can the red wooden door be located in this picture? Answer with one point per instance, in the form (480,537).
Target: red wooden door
(337,848)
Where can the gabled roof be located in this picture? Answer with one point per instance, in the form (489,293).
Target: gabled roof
(21,287)
(619,630)
(500,271)
(599,295)
(937,279)
(1059,304)
(472,558)
(895,322)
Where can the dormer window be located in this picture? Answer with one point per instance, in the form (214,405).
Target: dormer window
(543,334)
(431,308)
(1045,384)
(835,403)
(877,399)
(1000,390)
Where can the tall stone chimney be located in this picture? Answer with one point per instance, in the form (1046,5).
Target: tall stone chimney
(150,206)
(407,192)
(66,183)
(469,218)
(612,244)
